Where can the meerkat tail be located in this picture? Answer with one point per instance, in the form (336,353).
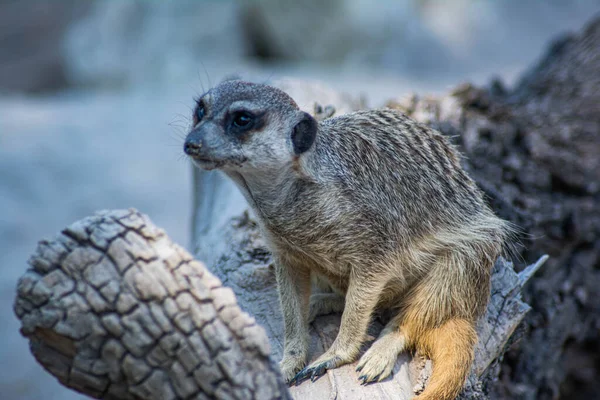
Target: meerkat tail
(450,347)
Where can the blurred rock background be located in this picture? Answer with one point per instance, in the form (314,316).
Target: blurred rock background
(95,96)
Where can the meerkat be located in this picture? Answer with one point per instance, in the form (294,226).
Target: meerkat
(375,204)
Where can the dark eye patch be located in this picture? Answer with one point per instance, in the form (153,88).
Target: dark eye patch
(240,123)
(200,110)
(242,119)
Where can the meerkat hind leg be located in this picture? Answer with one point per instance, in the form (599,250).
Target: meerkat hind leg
(379,360)
(325,303)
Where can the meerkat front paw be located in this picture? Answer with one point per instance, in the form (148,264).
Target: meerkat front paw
(290,366)
(329,360)
(378,362)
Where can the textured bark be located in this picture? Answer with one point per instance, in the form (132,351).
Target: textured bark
(535,151)
(116,310)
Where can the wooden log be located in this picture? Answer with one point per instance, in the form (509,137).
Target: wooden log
(114,309)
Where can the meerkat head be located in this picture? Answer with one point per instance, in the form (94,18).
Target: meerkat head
(244,126)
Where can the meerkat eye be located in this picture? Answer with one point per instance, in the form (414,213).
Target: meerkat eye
(242,119)
(199,112)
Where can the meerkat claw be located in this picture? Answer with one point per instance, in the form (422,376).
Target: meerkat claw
(312,372)
(300,377)
(318,371)
(365,380)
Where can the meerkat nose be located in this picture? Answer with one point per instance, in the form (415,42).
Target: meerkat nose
(190,148)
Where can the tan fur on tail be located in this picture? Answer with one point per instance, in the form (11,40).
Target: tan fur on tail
(450,347)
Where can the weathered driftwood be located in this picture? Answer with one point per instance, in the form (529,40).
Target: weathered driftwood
(116,310)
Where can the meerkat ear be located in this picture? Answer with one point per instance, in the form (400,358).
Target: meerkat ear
(304,133)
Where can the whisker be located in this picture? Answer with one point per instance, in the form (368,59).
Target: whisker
(178,129)
(181,157)
(206,73)
(184,117)
(187,105)
(177,139)
(268,80)
(201,83)
(178,125)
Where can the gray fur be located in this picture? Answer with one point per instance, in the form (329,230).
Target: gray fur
(379,206)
